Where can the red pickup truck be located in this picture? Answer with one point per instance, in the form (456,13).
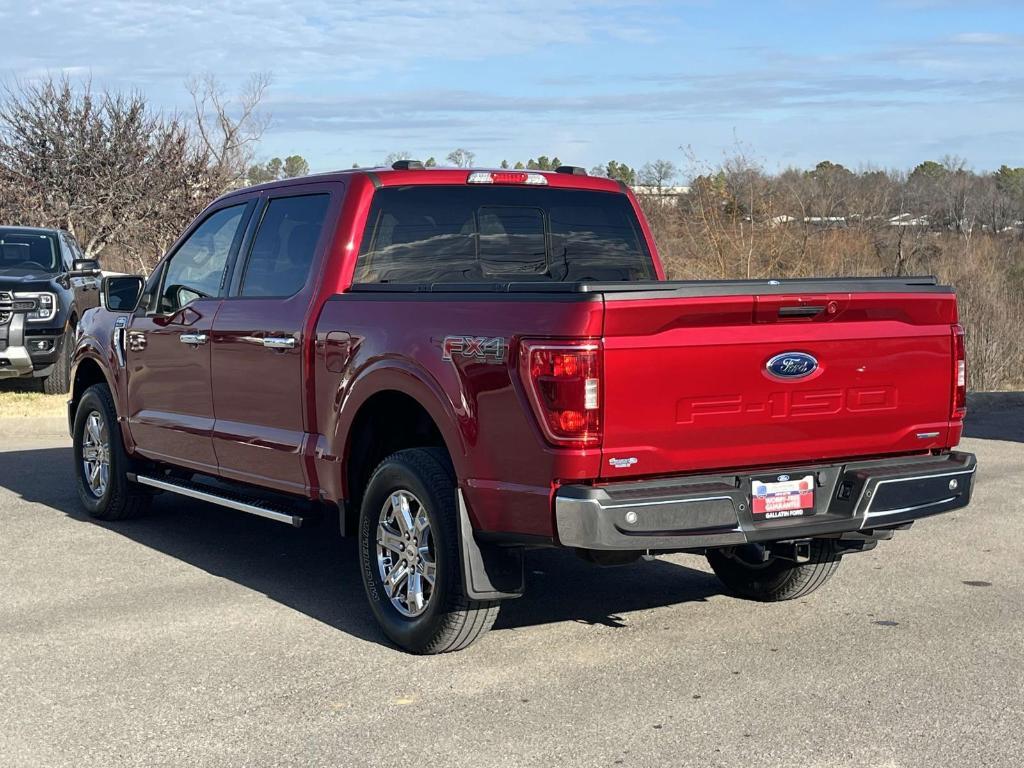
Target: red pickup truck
(461,365)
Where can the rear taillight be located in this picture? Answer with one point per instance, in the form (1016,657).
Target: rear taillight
(563,382)
(959,408)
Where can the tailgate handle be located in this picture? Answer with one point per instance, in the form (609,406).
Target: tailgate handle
(801,311)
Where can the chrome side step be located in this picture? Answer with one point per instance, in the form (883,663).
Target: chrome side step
(223,499)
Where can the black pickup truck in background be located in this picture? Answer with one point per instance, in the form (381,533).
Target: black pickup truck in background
(46,268)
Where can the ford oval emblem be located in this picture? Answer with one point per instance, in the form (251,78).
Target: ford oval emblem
(792,365)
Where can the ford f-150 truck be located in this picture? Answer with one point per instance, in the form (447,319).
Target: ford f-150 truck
(47,267)
(461,365)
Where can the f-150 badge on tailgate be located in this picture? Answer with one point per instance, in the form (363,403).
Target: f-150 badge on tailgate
(478,347)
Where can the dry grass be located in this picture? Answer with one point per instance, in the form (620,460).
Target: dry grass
(17,404)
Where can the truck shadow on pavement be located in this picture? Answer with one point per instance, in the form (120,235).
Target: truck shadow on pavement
(995,416)
(313,571)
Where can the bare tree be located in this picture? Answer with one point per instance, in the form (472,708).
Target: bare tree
(659,173)
(123,178)
(229,128)
(394,157)
(97,164)
(461,158)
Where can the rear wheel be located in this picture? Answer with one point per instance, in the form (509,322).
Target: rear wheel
(746,573)
(101,463)
(409,556)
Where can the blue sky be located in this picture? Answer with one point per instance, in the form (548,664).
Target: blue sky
(886,83)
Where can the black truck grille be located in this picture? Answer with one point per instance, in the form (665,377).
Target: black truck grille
(6,304)
(5,316)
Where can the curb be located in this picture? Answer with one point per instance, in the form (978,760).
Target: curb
(33,426)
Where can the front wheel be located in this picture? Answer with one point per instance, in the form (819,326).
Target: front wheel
(746,572)
(59,380)
(409,556)
(101,462)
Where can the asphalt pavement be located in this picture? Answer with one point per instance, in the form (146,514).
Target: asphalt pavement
(199,636)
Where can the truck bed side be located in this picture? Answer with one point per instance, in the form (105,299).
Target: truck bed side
(373,345)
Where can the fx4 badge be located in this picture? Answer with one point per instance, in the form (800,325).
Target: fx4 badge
(477,347)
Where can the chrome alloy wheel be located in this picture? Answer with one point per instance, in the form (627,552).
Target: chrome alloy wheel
(96,454)
(405,553)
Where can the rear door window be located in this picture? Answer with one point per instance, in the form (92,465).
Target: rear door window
(284,250)
(439,234)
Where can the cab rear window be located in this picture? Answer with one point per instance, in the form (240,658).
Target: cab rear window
(451,234)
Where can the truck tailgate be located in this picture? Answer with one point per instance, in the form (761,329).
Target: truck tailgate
(688,386)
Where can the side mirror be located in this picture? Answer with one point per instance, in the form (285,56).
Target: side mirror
(122,294)
(85,268)
(85,265)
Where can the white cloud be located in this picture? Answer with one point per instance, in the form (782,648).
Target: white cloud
(319,39)
(985,38)
(354,80)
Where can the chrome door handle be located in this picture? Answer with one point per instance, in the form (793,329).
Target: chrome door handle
(192,338)
(279,342)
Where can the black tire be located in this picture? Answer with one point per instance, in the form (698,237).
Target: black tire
(776,579)
(120,499)
(58,382)
(450,621)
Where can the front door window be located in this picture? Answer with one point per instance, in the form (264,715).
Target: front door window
(196,270)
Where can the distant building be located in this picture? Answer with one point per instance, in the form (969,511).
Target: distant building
(908,220)
(816,221)
(826,221)
(667,195)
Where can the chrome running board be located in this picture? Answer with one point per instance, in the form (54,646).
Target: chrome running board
(221,498)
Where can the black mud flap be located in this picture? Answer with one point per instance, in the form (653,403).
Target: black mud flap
(489,572)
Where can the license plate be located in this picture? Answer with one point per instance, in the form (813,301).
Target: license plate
(784,496)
